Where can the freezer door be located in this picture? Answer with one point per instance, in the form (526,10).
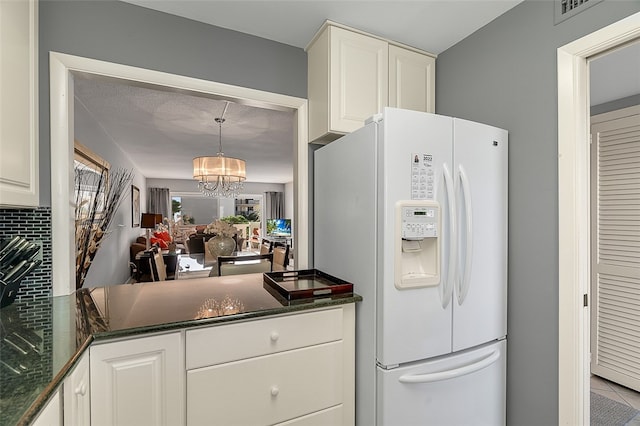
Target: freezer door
(480,174)
(467,388)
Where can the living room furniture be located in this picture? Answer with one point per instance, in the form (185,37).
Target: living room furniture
(235,265)
(147,262)
(280,257)
(197,242)
(149,222)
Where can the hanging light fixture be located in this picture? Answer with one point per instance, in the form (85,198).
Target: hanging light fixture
(219,176)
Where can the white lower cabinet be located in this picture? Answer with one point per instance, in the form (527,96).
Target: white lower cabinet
(77,394)
(51,414)
(296,369)
(138,381)
(282,371)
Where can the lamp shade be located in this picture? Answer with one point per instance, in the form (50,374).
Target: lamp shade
(219,168)
(149,220)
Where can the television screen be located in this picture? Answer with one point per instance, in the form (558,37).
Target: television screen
(279,227)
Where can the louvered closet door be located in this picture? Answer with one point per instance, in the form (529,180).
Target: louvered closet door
(615,251)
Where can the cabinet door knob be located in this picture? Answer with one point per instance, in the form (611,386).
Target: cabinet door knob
(274,391)
(274,336)
(81,390)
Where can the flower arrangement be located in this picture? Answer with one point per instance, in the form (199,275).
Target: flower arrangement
(220,227)
(98,195)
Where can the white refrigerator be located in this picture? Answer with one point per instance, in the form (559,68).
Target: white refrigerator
(412,209)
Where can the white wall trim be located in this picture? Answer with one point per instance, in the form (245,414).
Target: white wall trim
(61,91)
(573,224)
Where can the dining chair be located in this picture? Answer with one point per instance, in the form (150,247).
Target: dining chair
(251,264)
(280,257)
(266,246)
(158,268)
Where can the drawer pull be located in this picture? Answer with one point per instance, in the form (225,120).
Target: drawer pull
(274,336)
(274,391)
(81,390)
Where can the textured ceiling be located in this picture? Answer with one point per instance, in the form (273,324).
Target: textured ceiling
(162,131)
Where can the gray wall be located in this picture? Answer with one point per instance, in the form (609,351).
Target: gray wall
(111,264)
(505,75)
(626,102)
(126,34)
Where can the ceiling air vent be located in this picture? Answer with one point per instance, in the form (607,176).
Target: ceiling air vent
(565,9)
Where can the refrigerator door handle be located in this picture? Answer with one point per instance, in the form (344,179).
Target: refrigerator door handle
(452,232)
(451,374)
(466,273)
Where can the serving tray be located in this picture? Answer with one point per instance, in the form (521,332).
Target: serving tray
(306,283)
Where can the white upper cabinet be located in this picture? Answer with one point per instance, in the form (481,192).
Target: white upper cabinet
(353,75)
(358,76)
(19,103)
(411,80)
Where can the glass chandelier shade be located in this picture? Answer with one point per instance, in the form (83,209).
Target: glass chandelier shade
(220,176)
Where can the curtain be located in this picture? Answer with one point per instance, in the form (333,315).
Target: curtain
(159,202)
(273,205)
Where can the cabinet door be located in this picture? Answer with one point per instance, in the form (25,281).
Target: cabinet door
(138,382)
(411,80)
(18,103)
(359,78)
(50,415)
(77,394)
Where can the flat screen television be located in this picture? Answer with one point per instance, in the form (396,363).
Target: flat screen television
(279,227)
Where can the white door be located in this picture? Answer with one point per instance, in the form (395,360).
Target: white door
(615,251)
(138,381)
(414,323)
(359,78)
(480,302)
(411,80)
(467,388)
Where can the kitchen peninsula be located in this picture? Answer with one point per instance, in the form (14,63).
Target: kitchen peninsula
(176,352)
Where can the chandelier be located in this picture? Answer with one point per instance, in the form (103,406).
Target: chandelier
(219,176)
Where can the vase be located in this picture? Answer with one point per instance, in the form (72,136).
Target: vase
(221,246)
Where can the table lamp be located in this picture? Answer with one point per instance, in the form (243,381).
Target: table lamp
(149,221)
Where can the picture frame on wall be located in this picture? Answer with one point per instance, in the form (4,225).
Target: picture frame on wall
(135,206)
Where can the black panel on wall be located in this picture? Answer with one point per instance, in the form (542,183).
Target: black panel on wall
(33,225)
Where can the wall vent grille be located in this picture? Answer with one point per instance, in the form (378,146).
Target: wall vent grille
(565,9)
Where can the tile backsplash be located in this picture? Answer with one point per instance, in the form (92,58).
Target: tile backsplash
(33,225)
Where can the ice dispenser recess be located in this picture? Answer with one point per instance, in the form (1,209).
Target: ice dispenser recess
(417,244)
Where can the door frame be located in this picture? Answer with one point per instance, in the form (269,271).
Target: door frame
(573,224)
(61,68)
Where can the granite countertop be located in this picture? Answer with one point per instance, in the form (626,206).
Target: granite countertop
(61,328)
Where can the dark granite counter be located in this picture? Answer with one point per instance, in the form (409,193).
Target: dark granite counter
(61,328)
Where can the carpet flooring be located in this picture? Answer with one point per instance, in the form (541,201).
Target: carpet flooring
(607,412)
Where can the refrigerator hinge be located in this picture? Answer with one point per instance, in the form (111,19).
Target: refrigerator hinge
(387,367)
(585,300)
(376,118)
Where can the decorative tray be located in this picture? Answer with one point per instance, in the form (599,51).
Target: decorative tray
(306,283)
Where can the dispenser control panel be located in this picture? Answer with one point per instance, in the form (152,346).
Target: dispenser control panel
(419,222)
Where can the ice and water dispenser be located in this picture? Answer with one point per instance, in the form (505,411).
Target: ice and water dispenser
(417,245)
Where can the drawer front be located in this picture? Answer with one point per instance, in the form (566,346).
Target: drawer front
(210,346)
(331,416)
(267,389)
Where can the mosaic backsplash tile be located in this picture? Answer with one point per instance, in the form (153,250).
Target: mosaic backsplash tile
(34,225)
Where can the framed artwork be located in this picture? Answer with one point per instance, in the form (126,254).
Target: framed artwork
(91,176)
(135,206)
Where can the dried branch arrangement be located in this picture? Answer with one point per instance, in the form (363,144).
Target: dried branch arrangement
(98,195)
